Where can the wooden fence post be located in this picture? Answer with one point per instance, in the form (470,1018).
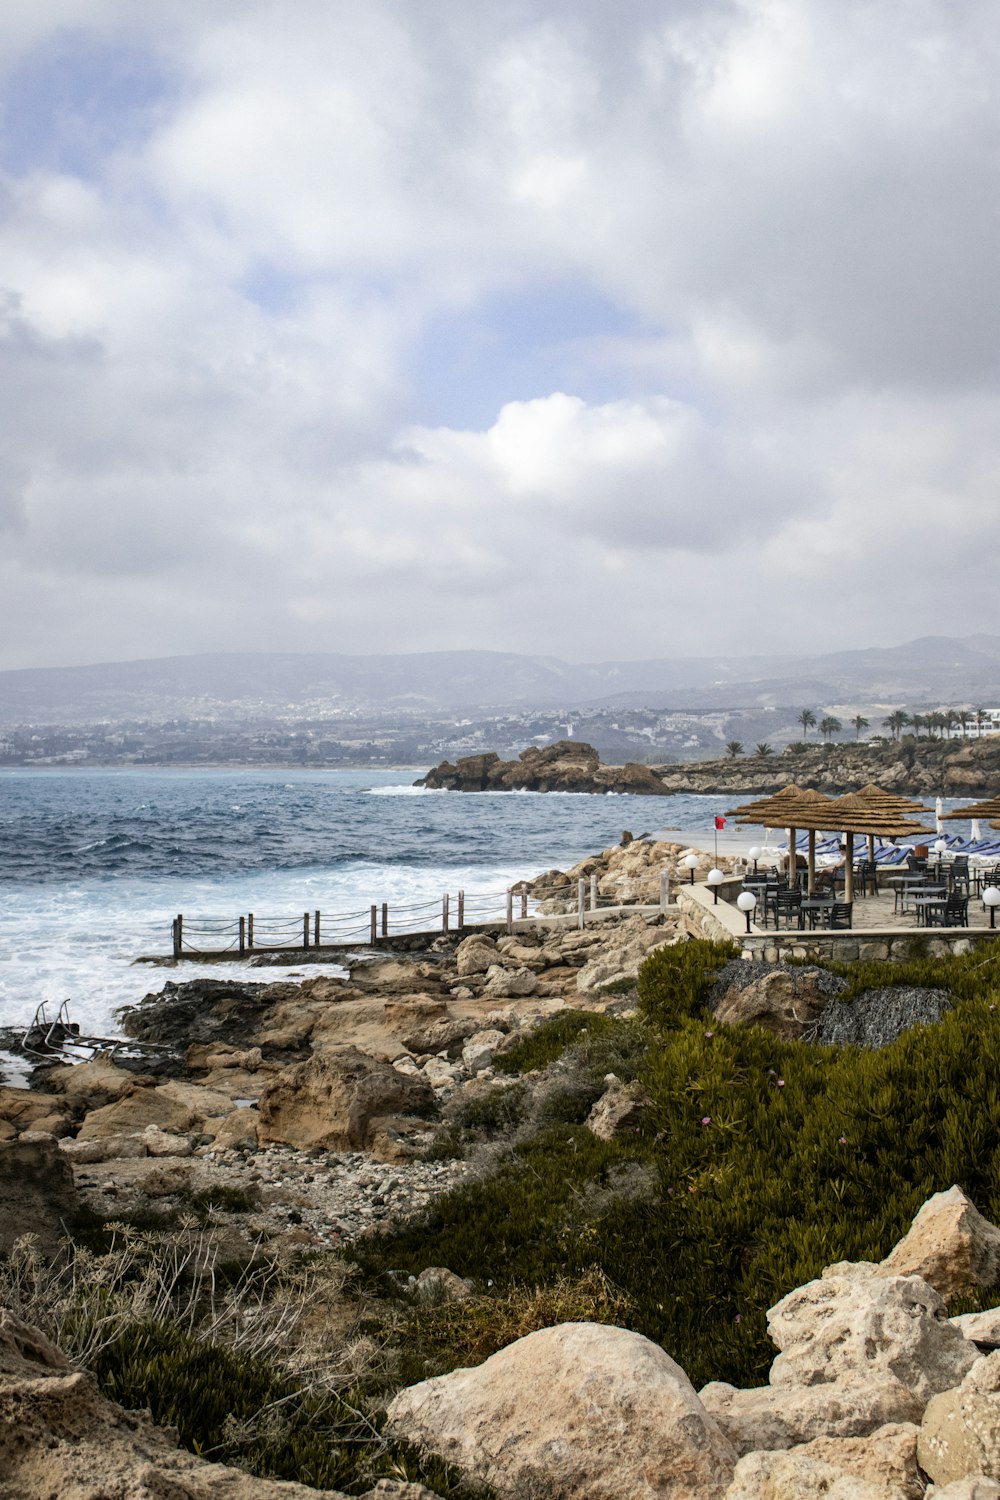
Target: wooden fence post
(444,912)
(461,911)
(315,929)
(593,892)
(374,931)
(664,889)
(524,906)
(243,935)
(581,902)
(510,911)
(250,931)
(385,919)
(305,929)
(178,935)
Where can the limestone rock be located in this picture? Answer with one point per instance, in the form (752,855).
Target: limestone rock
(973,1487)
(853,1324)
(783,1002)
(619,1110)
(582,1411)
(858,1350)
(238,1128)
(478,1051)
(332,1099)
(950,1245)
(504,983)
(624,953)
(90,1083)
(438,1284)
(104,1148)
(767,1417)
(36,1191)
(28,1109)
(960,1433)
(882,1467)
(174,1105)
(475,955)
(60,1437)
(979,1325)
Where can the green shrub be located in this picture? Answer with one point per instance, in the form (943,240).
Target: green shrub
(230,1406)
(764,1161)
(493,1110)
(548,1041)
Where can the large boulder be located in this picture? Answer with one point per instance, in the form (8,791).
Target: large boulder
(176,1106)
(28,1109)
(476,954)
(333,1099)
(960,1433)
(580,1411)
(882,1467)
(784,1002)
(36,1191)
(858,1350)
(950,1245)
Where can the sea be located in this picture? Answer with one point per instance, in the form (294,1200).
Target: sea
(95,864)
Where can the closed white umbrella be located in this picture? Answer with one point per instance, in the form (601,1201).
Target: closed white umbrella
(975,833)
(938,810)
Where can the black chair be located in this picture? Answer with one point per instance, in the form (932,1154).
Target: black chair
(866,877)
(788,905)
(916,866)
(958,875)
(841,913)
(955,912)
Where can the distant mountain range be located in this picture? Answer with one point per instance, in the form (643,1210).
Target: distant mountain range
(932,670)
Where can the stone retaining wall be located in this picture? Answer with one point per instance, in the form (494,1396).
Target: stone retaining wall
(876,945)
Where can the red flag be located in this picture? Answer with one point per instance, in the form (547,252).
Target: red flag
(720,822)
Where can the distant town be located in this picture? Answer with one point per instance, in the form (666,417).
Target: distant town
(387,738)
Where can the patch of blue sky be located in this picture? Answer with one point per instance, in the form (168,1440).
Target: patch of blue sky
(516,346)
(273,289)
(76,99)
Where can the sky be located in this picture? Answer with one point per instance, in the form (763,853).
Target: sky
(589,329)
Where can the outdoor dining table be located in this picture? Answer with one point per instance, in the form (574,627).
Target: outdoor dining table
(907,886)
(813,907)
(925,902)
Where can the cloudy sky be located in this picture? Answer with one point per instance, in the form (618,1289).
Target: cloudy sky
(587,328)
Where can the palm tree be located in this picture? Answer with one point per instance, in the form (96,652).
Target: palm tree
(807,719)
(734,748)
(896,721)
(829,726)
(952,719)
(860,722)
(917,723)
(979,715)
(763,750)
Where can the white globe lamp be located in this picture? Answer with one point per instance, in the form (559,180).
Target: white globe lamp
(991,900)
(690,863)
(746,901)
(715,879)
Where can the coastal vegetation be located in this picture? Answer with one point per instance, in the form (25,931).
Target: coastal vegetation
(760,1162)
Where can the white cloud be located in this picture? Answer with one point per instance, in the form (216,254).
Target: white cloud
(213,436)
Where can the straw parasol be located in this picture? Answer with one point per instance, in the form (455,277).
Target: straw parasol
(888,803)
(794,807)
(851,814)
(989,808)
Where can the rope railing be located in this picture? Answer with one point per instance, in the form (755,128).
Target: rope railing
(255,933)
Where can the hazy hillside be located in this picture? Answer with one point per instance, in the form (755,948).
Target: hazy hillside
(934,669)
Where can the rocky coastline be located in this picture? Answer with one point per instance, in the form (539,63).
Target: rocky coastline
(925,767)
(567,766)
(286,1124)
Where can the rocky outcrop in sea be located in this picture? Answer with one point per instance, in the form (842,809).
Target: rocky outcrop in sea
(567,766)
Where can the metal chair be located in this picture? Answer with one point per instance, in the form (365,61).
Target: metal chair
(788,904)
(841,914)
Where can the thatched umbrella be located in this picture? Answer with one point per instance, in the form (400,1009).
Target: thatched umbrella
(990,808)
(793,808)
(851,815)
(889,803)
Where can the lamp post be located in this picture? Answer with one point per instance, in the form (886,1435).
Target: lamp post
(746,901)
(991,899)
(715,879)
(754,854)
(690,862)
